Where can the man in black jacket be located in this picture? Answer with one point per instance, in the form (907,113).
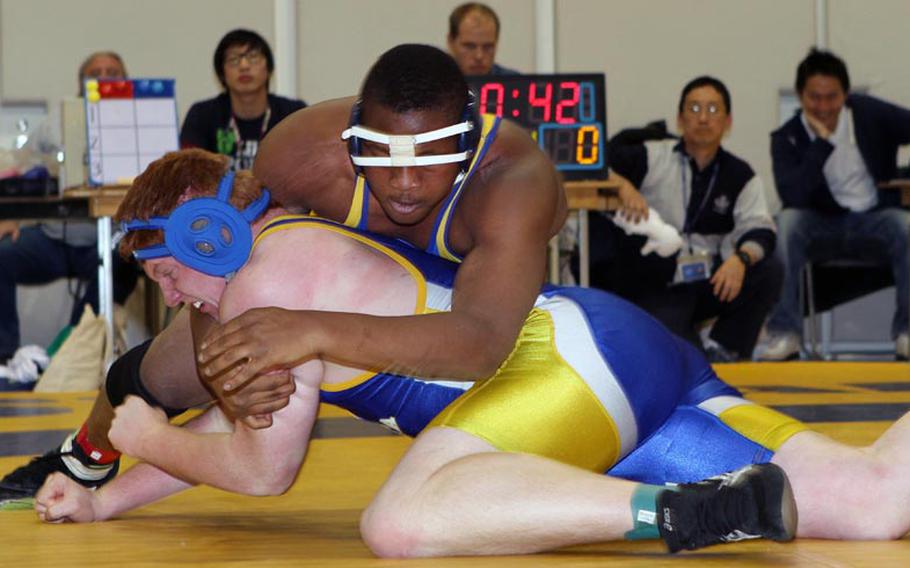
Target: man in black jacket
(828,161)
(717,204)
(235,121)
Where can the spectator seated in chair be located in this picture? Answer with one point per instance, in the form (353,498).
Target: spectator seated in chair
(715,203)
(828,161)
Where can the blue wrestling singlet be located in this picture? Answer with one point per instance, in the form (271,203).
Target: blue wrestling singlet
(439,243)
(593,381)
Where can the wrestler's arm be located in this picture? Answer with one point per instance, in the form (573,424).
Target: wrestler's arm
(61,499)
(511,220)
(209,449)
(244,460)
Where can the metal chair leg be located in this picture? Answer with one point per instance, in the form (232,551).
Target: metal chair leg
(809,293)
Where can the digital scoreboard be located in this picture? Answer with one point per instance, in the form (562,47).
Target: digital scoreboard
(566,114)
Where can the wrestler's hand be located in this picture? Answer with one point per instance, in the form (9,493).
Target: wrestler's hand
(256,342)
(728,279)
(254,401)
(134,423)
(62,500)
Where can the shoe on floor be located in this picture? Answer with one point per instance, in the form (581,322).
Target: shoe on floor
(717,353)
(781,347)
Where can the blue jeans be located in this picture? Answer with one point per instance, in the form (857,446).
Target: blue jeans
(805,235)
(35,258)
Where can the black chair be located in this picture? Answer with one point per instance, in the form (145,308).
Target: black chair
(834,282)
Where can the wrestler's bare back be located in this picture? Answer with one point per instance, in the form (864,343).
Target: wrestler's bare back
(309,267)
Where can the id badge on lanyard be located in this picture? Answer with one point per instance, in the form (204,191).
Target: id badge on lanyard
(239,142)
(693,266)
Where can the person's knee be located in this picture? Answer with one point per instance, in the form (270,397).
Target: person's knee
(897,224)
(793,235)
(767,272)
(386,532)
(879,512)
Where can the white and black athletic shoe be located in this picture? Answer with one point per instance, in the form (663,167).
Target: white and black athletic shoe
(755,501)
(26,480)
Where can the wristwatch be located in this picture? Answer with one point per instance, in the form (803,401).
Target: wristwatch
(744,257)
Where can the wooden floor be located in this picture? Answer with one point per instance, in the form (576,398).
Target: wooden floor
(315,524)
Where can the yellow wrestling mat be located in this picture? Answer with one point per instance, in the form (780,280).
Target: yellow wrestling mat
(315,524)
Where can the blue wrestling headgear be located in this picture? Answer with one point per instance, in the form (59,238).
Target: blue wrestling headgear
(206,233)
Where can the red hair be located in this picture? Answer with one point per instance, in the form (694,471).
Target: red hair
(169,181)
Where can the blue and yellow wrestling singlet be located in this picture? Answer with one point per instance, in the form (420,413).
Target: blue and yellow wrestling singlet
(439,243)
(592,381)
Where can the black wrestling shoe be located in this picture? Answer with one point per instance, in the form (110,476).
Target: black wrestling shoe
(25,481)
(755,501)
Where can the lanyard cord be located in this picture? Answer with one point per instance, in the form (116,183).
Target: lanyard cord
(688,224)
(236,130)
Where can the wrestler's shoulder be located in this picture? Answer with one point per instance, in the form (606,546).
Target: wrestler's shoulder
(514,164)
(322,119)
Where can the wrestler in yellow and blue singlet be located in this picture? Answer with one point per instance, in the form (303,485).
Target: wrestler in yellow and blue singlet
(593,381)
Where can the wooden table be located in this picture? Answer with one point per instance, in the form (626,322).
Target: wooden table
(900,184)
(584,196)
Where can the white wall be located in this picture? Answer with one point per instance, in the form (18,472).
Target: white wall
(873,38)
(42,42)
(338,40)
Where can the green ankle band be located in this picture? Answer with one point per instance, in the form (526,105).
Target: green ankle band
(644,512)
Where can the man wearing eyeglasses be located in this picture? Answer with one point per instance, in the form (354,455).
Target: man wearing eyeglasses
(725,268)
(235,121)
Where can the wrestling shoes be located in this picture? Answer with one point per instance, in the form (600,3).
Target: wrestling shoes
(755,501)
(26,480)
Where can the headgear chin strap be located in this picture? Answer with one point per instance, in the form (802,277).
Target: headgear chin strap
(402,148)
(205,233)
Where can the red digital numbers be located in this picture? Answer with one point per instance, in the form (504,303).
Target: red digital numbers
(543,102)
(500,93)
(568,104)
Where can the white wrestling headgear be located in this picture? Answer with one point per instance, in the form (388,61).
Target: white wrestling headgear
(402,148)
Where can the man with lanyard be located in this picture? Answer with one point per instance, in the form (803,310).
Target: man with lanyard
(235,121)
(725,269)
